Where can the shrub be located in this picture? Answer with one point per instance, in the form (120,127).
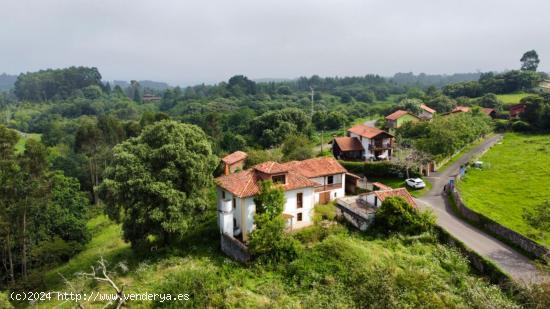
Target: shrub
(4,301)
(396,215)
(521,126)
(502,125)
(378,169)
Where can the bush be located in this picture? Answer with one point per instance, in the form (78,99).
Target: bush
(397,216)
(378,169)
(4,301)
(502,125)
(521,126)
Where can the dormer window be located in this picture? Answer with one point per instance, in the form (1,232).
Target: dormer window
(280,179)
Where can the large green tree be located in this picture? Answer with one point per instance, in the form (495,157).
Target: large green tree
(530,61)
(158,182)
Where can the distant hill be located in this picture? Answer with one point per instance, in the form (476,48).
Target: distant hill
(437,80)
(7,81)
(146,84)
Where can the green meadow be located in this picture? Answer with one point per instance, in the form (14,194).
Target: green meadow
(516,177)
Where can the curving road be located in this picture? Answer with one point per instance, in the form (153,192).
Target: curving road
(519,267)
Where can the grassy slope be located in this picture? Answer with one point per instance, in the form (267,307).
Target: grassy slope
(343,270)
(512,98)
(518,177)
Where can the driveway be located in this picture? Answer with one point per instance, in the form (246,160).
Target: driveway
(519,267)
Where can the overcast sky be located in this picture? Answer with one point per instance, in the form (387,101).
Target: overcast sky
(188,41)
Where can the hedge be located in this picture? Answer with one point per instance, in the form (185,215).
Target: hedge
(378,169)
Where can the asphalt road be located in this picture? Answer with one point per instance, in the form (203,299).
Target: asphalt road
(519,267)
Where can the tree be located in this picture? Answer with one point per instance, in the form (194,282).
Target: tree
(396,215)
(529,61)
(297,147)
(90,141)
(158,182)
(269,240)
(490,100)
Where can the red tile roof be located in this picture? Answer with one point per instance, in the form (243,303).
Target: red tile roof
(270,167)
(402,192)
(460,109)
(427,108)
(234,157)
(246,183)
(381,186)
(487,111)
(366,131)
(517,109)
(397,114)
(316,167)
(349,143)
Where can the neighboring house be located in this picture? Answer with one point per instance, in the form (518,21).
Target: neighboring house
(150,98)
(305,183)
(489,112)
(516,110)
(461,109)
(376,198)
(427,112)
(398,118)
(234,162)
(363,143)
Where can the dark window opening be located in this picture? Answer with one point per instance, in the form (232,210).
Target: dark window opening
(223,194)
(299,200)
(330,180)
(279,179)
(299,217)
(234,203)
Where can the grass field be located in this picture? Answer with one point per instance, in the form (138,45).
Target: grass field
(517,177)
(344,269)
(20,146)
(512,98)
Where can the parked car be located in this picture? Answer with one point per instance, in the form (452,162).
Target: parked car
(415,183)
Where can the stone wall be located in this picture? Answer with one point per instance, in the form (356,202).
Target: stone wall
(534,249)
(359,220)
(234,248)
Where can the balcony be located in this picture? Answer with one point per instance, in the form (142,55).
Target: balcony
(333,186)
(380,146)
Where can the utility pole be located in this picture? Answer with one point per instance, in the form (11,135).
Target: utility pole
(312,92)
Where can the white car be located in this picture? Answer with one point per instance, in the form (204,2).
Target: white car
(415,183)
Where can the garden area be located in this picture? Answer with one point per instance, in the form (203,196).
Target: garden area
(515,180)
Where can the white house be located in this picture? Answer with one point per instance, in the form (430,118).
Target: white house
(305,183)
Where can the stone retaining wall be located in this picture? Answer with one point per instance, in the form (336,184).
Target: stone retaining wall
(534,249)
(234,248)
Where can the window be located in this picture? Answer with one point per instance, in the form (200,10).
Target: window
(299,200)
(223,194)
(234,203)
(278,179)
(330,180)
(334,194)
(299,217)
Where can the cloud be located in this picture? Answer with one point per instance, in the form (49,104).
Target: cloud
(210,40)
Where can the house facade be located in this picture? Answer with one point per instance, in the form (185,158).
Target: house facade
(398,118)
(426,113)
(234,162)
(363,143)
(305,184)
